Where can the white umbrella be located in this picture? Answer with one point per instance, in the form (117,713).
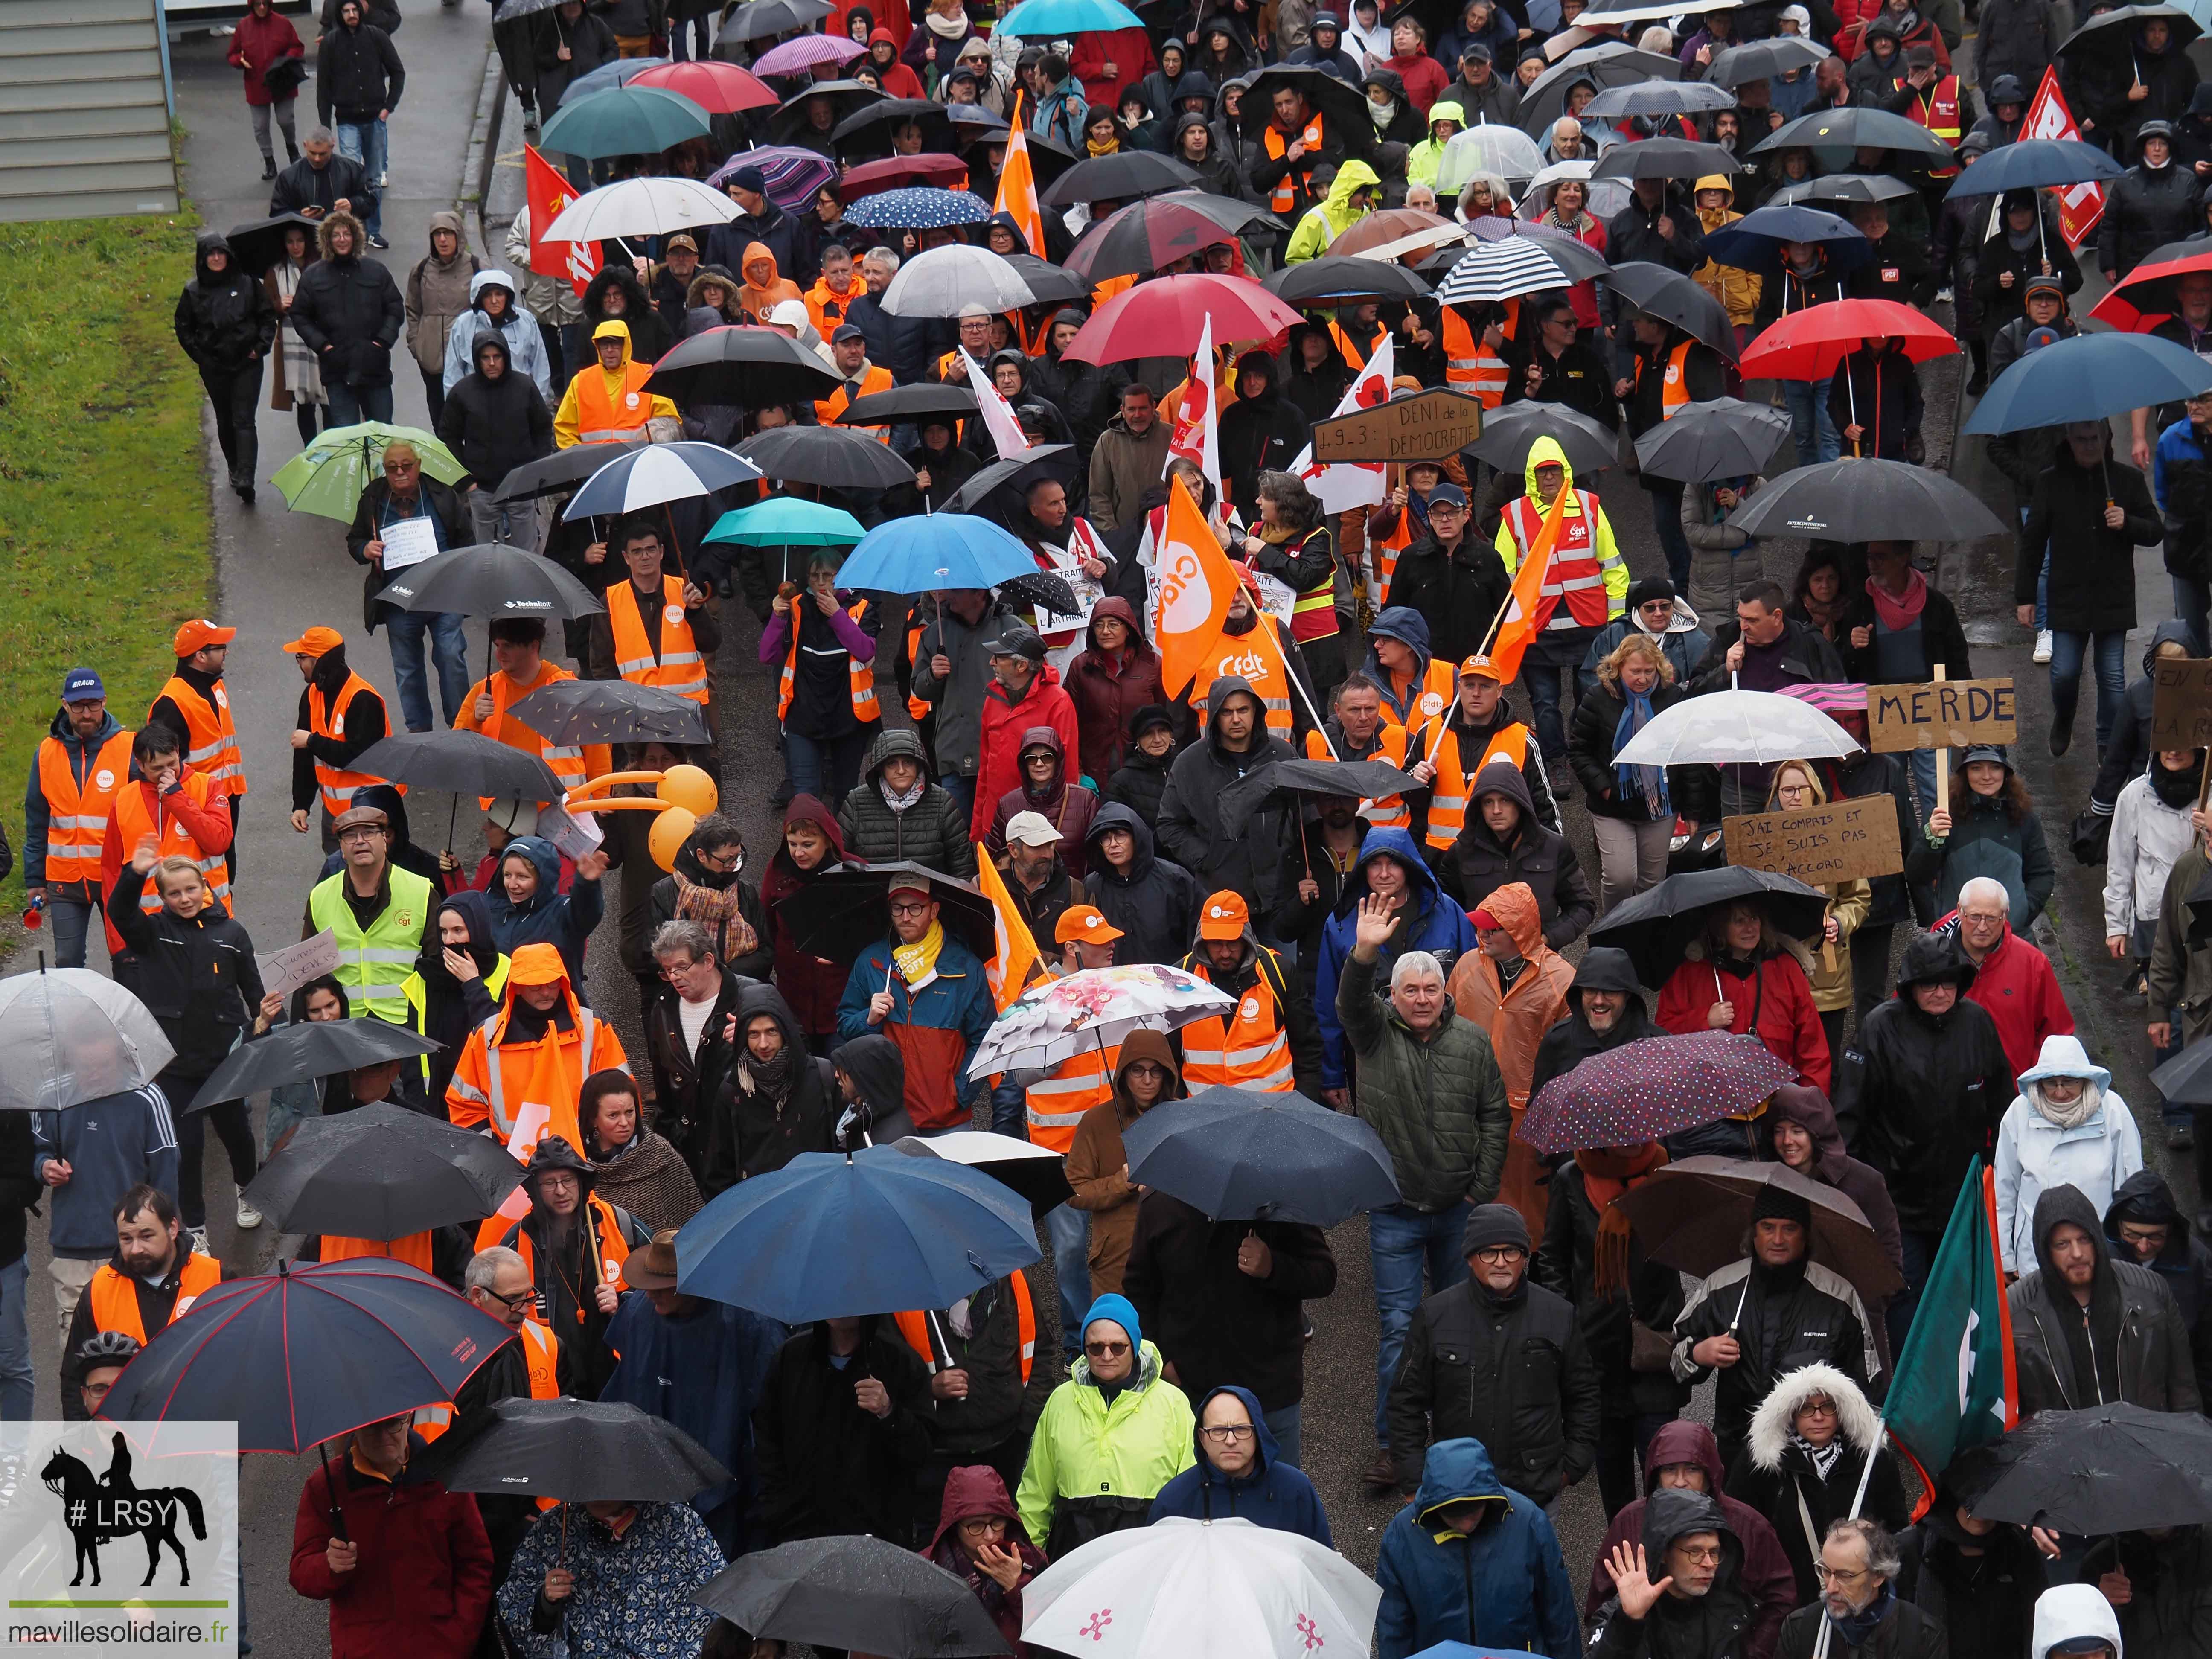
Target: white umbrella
(1507,152)
(1606,196)
(1492,272)
(1735,727)
(1092,1011)
(1420,241)
(938,283)
(639,207)
(69,1035)
(1226,1588)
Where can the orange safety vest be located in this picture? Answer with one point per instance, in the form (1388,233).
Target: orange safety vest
(211,743)
(952,367)
(1387,550)
(566,760)
(1938,111)
(918,709)
(1274,699)
(549,1072)
(1345,344)
(1056,1103)
(414,1249)
(1451,789)
(1576,574)
(1390,812)
(77,809)
(604,418)
(913,1326)
(337,786)
(133,822)
(861,676)
(1470,366)
(115,1298)
(1250,1051)
(614,1249)
(1286,196)
(1674,385)
(678,668)
(827,410)
(541,1353)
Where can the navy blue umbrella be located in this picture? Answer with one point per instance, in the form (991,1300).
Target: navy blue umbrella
(1240,1155)
(830,1237)
(643,477)
(2089,377)
(917,209)
(2033,164)
(298,1357)
(1754,241)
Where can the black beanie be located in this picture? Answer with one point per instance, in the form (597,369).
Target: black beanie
(1489,1224)
(1651,587)
(1778,1203)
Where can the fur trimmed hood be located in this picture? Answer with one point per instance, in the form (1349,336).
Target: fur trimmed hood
(1861,1425)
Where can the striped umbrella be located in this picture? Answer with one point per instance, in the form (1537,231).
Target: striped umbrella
(1830,697)
(793,176)
(796,57)
(657,473)
(1492,272)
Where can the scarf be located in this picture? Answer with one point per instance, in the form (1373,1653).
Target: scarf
(2066,1117)
(1608,1172)
(1382,112)
(1823,1458)
(2020,240)
(1854,1630)
(2176,789)
(1111,147)
(1647,783)
(917,962)
(947,28)
(1898,613)
(902,800)
(719,910)
(303,370)
(771,1078)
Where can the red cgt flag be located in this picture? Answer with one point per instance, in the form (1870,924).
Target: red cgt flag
(548,192)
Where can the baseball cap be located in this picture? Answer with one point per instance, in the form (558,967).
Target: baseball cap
(317,641)
(1224,916)
(1986,751)
(1478,667)
(677,240)
(1448,495)
(198,634)
(1476,52)
(1032,829)
(81,685)
(905,884)
(1483,919)
(848,332)
(2040,284)
(1017,641)
(1084,924)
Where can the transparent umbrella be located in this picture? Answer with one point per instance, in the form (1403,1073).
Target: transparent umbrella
(1735,727)
(69,1035)
(1507,152)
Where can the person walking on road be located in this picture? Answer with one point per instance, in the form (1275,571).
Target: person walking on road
(350,313)
(82,760)
(264,41)
(358,80)
(226,326)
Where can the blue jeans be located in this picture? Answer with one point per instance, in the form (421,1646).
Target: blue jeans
(365,142)
(2069,650)
(1918,1251)
(1284,1423)
(1666,519)
(824,770)
(1069,1230)
(350,405)
(449,644)
(72,924)
(1401,1241)
(1541,682)
(680,38)
(1810,423)
(962,790)
(17,1380)
(2193,601)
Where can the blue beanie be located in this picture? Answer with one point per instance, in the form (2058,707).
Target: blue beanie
(1116,1309)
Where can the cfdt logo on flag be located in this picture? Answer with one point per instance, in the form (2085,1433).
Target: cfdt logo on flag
(119,1537)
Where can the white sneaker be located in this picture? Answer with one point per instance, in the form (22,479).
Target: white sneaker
(2043,646)
(197,1240)
(248,1216)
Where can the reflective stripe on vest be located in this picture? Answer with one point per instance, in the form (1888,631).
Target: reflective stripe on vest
(827,410)
(1938,111)
(1390,811)
(913,1326)
(918,709)
(860,676)
(601,418)
(1674,384)
(1349,347)
(1286,196)
(502,1118)
(1056,1103)
(375,961)
(567,761)
(133,824)
(337,786)
(212,740)
(115,1298)
(1447,812)
(541,1351)
(77,813)
(678,668)
(1313,613)
(1252,1051)
(1576,574)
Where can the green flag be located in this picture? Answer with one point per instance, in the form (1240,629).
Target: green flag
(1954,1385)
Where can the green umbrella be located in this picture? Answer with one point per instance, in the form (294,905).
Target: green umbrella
(623,121)
(786,521)
(328,476)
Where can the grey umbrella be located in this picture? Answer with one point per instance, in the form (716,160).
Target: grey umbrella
(1509,434)
(381,1172)
(1674,297)
(1666,158)
(1657,97)
(1867,500)
(1763,60)
(309,1048)
(1724,438)
(1843,187)
(69,1035)
(1611,63)
(860,1594)
(572,712)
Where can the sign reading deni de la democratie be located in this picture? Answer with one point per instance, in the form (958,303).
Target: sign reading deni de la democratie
(120,1538)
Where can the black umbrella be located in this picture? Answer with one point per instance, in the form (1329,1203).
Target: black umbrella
(846,98)
(2103,1469)
(910,402)
(1658,98)
(510,10)
(1344,280)
(1367,780)
(312,1049)
(1117,177)
(569,713)
(1147,235)
(558,473)
(1725,438)
(1047,282)
(1843,187)
(1042,588)
(839,915)
(857,1594)
(745,367)
(260,244)
(1013,476)
(582,1451)
(494,581)
(1655,926)
(2186,1079)
(1666,158)
(825,455)
(1240,1155)
(381,1172)
(874,124)
(464,762)
(1762,60)
(1849,129)
(1607,63)
(1674,297)
(1509,434)
(1037,1173)
(1864,500)
(1341,103)
(757,19)
(2115,30)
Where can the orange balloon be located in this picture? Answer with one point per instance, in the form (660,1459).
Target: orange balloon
(669,833)
(607,781)
(690,788)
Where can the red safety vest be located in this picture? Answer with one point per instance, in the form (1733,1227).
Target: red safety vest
(1938,109)
(1576,574)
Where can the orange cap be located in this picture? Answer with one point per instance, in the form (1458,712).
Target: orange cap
(539,963)
(317,641)
(1085,923)
(1224,916)
(1480,668)
(200,632)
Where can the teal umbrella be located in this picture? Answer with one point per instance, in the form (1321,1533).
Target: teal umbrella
(785,521)
(623,121)
(1054,20)
(327,476)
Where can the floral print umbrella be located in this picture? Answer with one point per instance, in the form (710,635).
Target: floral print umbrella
(1058,1019)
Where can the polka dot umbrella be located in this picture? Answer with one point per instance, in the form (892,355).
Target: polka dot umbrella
(1642,1090)
(919,210)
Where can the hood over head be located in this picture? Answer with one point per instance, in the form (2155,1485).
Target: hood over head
(758,999)
(1802,1105)
(1114,607)
(894,741)
(1008,222)
(545,858)
(611,329)
(209,242)
(2054,1207)
(1934,956)
(490,343)
(1224,687)
(2172,628)
(1353,175)
(976,1491)
(1195,83)
(447,220)
(1405,625)
(877,1068)
(1513,908)
(1114,815)
(1446,109)
(492,276)
(474,908)
(1673,1512)
(1456,1472)
(1149,1045)
(1772,1423)
(808,808)
(2145,1200)
(1399,843)
(2064,1056)
(1604,968)
(1683,1441)
(614,274)
(1258,357)
(1503,777)
(2074,1612)
(1268,1451)
(1545,452)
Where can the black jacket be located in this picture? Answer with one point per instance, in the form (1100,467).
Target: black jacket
(2024,456)
(1590,749)
(348,313)
(1512,1373)
(222,320)
(198,978)
(648,336)
(367,722)
(367,515)
(1806,653)
(747,1133)
(1703,371)
(826,1467)
(999,1404)
(1776,1492)
(1566,1265)
(303,185)
(19,1190)
(1918,1096)
(901,344)
(1139,782)
(782,236)
(1633,233)
(1878,392)
(1190,833)
(1867,774)
(1781,295)
(686,1084)
(2146,208)
(357,74)
(1901,270)
(1477,864)
(1154,904)
(1258,435)
(1458,593)
(1942,640)
(1784,1318)
(1713,1625)
(1571,1042)
(495,426)
(1906,1634)
(2169,1610)
(1984,1603)
(2093,568)
(2185,1263)
(933,832)
(1219,1326)
(1295,920)
(1576,378)
(2127,753)
(1999,302)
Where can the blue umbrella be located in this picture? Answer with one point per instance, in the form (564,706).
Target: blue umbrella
(830,1237)
(787,521)
(2032,164)
(608,76)
(1240,1155)
(1754,241)
(2089,377)
(658,473)
(918,209)
(1054,19)
(935,551)
(624,121)
(300,1355)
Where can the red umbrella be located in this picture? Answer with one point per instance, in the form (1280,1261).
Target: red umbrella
(898,171)
(1644,1090)
(1808,344)
(1163,317)
(2146,298)
(1153,233)
(717,87)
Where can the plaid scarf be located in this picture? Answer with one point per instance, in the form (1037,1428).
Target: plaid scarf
(718,910)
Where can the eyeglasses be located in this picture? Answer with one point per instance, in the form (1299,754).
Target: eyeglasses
(360,832)
(394,468)
(511,1303)
(1499,1255)
(921,909)
(730,859)
(1828,1575)
(985,1526)
(1144,1068)
(1228,1434)
(1105,1349)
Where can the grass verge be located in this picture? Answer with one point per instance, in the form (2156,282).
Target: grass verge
(105,529)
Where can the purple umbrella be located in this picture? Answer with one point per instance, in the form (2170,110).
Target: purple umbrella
(793,175)
(797,55)
(1642,1090)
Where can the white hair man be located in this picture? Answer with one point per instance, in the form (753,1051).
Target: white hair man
(2012,978)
